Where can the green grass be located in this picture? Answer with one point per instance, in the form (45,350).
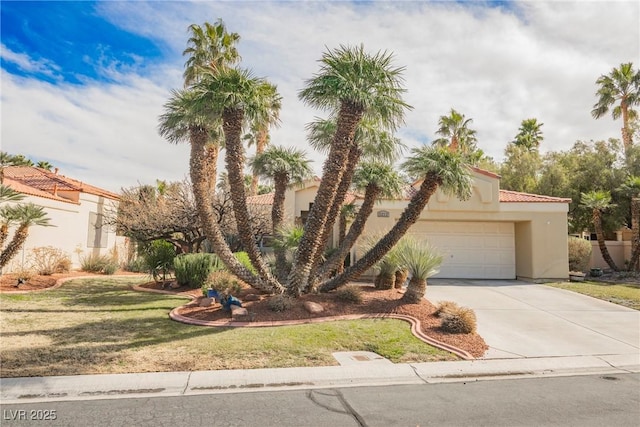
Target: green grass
(627,295)
(101,326)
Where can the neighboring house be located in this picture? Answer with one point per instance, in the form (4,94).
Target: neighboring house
(496,234)
(76,211)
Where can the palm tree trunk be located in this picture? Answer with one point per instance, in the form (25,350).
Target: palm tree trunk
(634,264)
(341,193)
(261,143)
(415,291)
(597,223)
(277,220)
(4,233)
(626,132)
(407,219)
(198,172)
(334,167)
(232,126)
(370,196)
(15,244)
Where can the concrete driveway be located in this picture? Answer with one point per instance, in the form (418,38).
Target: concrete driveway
(525,320)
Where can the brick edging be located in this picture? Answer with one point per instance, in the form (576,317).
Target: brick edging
(416,326)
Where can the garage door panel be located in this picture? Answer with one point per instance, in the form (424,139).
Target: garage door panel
(471,249)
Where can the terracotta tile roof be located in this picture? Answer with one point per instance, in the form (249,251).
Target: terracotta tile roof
(41,180)
(261,199)
(267,199)
(31,191)
(507,196)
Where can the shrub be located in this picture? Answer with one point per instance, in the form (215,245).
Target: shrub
(48,260)
(445,307)
(243,258)
(352,294)
(98,264)
(280,303)
(138,265)
(579,253)
(193,269)
(460,320)
(223,282)
(158,258)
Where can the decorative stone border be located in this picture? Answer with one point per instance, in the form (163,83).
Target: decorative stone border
(416,328)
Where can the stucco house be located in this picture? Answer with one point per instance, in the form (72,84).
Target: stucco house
(496,234)
(76,211)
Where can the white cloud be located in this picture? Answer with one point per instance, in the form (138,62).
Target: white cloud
(26,63)
(497,66)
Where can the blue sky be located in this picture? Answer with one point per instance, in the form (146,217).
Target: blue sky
(83,83)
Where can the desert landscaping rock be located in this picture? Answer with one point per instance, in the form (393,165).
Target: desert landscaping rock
(205,302)
(313,307)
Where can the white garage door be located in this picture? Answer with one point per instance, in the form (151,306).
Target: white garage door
(471,250)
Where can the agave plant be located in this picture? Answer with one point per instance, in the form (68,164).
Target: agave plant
(422,260)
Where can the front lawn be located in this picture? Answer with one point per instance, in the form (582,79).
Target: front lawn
(627,294)
(100,325)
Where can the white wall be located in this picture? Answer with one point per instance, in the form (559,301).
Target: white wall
(70,231)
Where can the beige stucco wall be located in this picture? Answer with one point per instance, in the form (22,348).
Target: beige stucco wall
(70,231)
(620,252)
(540,229)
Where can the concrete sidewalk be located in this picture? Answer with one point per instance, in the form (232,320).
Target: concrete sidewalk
(112,386)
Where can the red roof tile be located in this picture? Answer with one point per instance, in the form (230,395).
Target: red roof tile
(507,196)
(42,180)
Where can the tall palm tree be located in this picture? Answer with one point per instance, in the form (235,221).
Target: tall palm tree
(210,48)
(436,168)
(351,84)
(285,166)
(266,118)
(529,135)
(26,216)
(235,97)
(378,181)
(599,201)
(422,260)
(456,134)
(182,121)
(622,87)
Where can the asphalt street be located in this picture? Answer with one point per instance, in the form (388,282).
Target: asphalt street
(593,400)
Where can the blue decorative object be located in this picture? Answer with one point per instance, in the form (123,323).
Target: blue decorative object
(212,293)
(228,301)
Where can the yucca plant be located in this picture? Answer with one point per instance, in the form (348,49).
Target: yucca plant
(422,260)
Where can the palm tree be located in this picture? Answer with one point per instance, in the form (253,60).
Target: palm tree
(7,194)
(456,134)
(422,261)
(529,135)
(210,48)
(378,181)
(351,84)
(181,121)
(631,188)
(266,118)
(436,168)
(599,201)
(621,86)
(285,166)
(26,215)
(234,97)
(42,164)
